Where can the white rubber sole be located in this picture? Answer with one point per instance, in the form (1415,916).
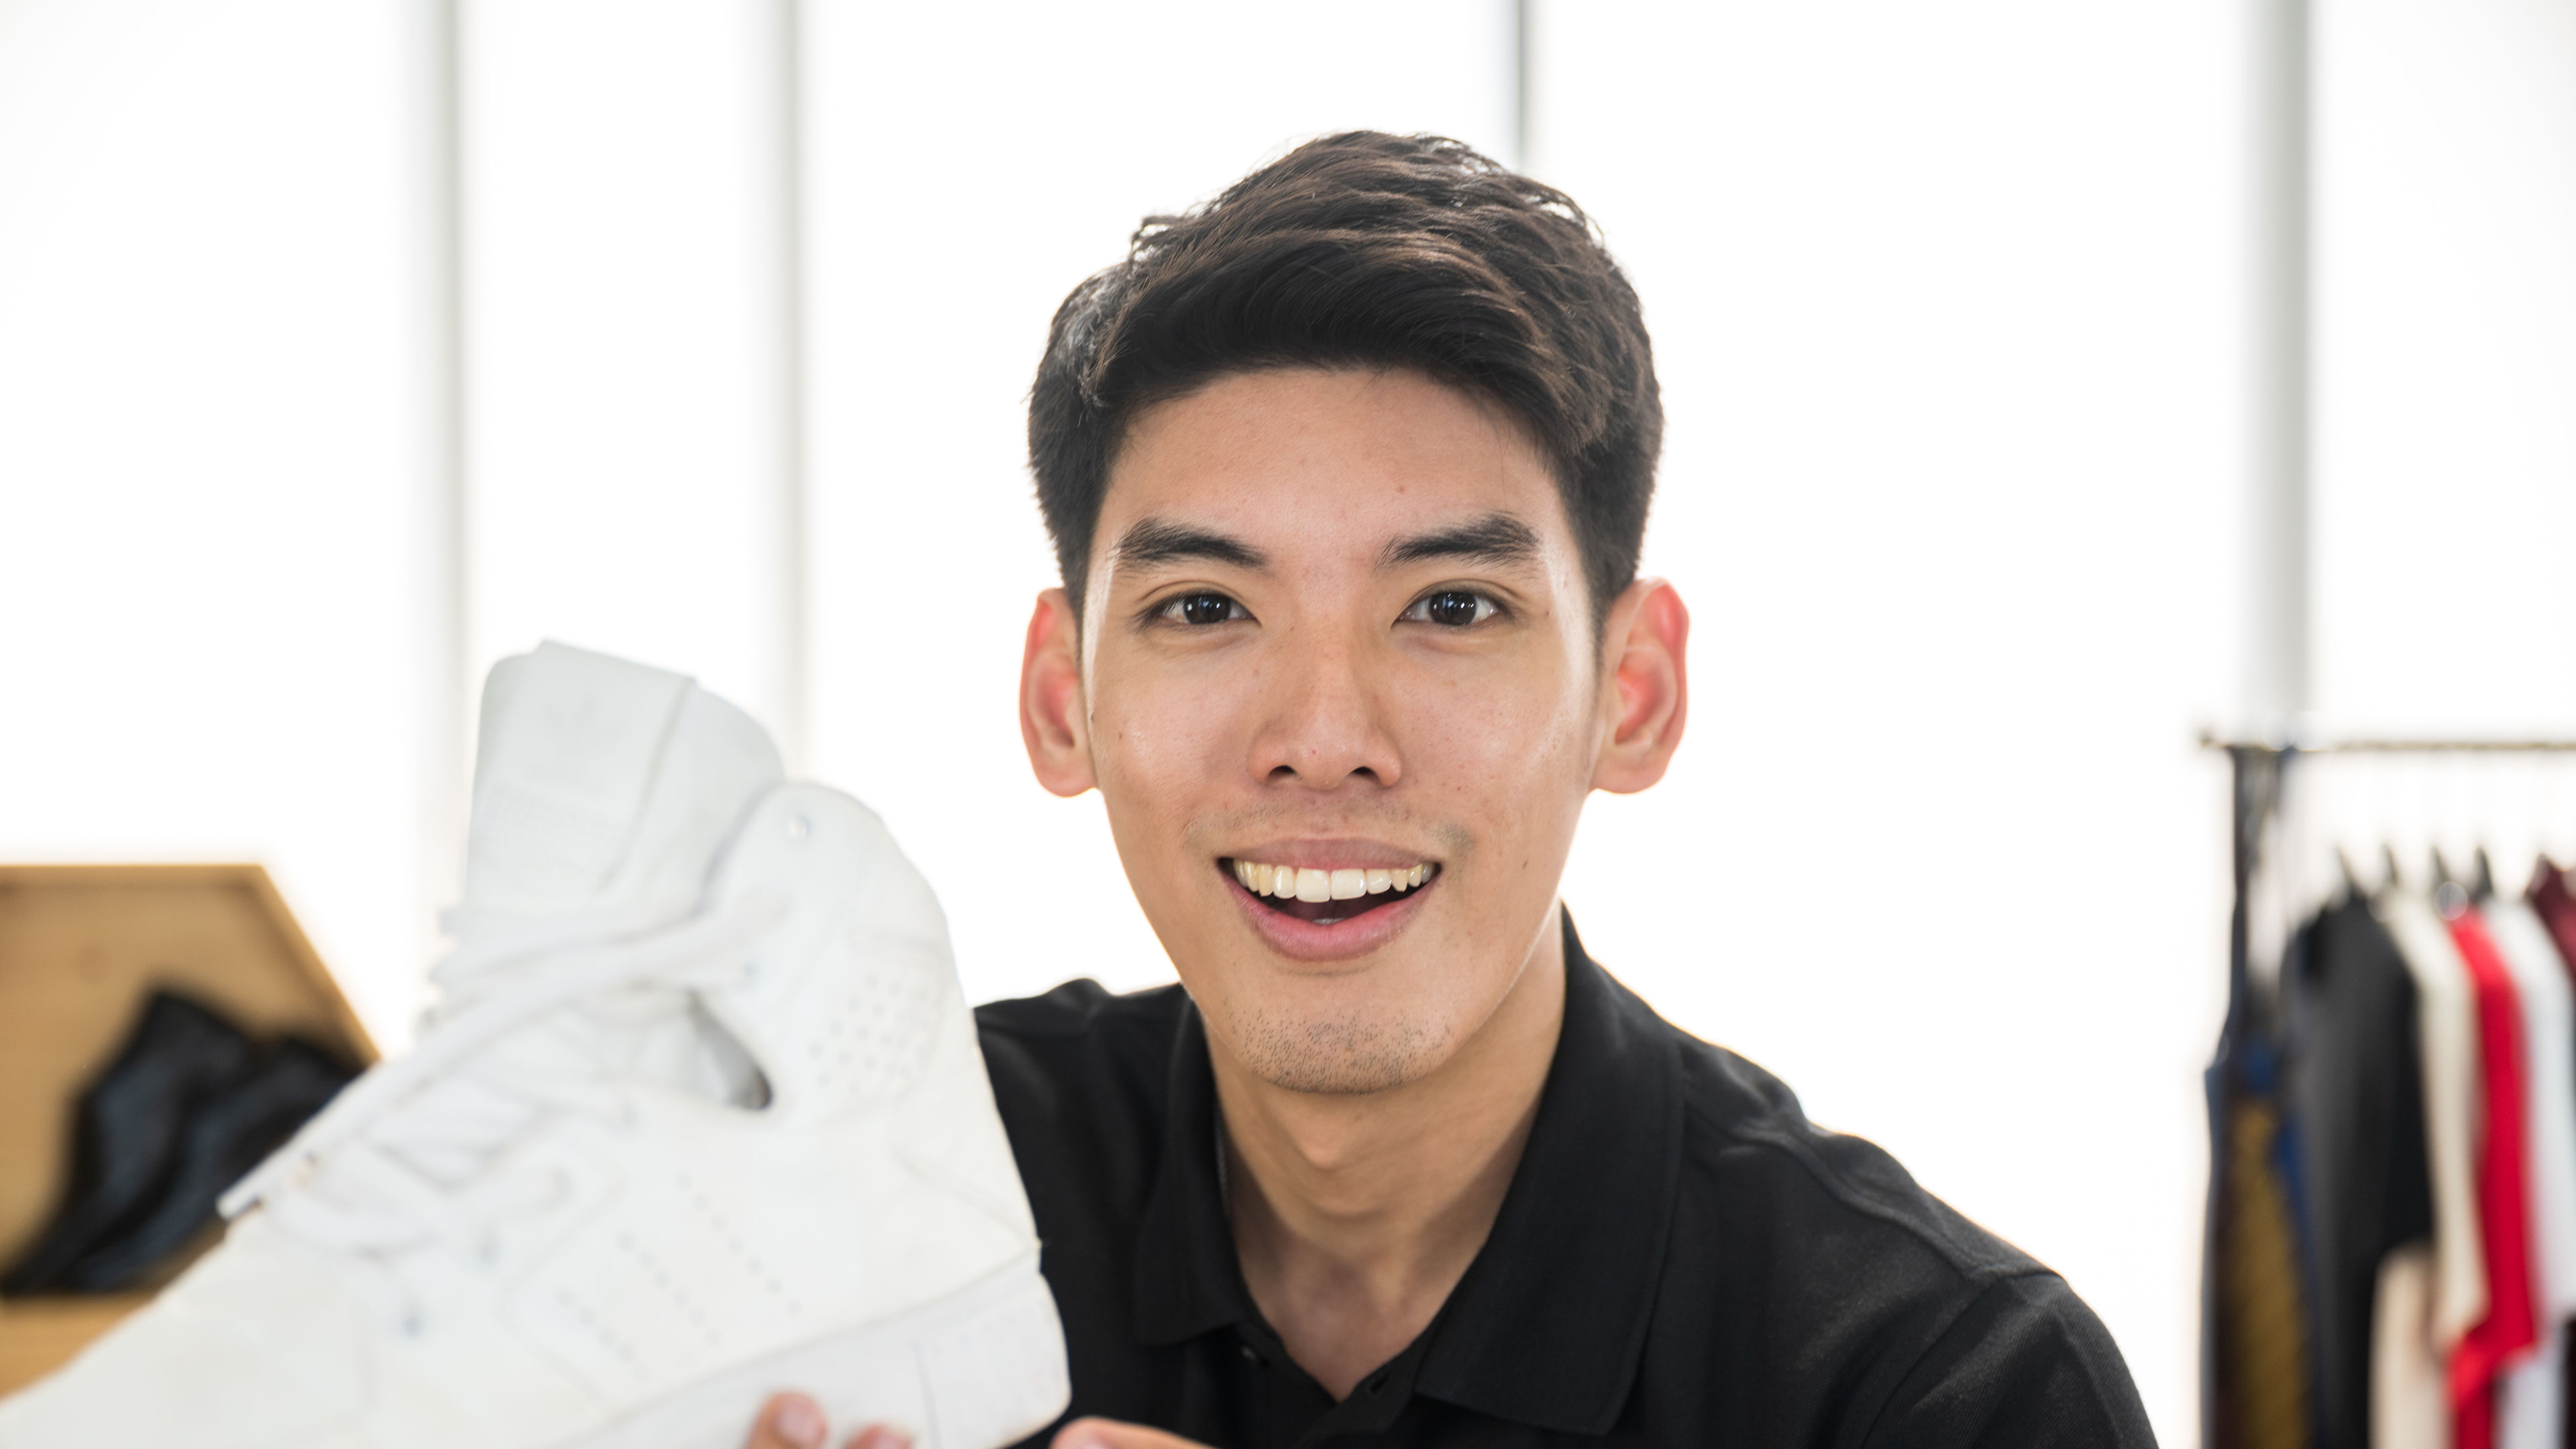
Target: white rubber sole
(978,1369)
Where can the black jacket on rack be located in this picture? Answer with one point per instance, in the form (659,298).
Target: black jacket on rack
(2353,1081)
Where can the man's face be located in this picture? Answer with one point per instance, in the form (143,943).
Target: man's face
(1336,630)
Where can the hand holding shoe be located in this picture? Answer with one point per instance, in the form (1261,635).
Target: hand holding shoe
(793,1421)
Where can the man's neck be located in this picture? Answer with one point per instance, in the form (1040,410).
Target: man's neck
(1355,1215)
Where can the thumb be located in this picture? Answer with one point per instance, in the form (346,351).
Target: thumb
(793,1421)
(1110,1434)
(788,1421)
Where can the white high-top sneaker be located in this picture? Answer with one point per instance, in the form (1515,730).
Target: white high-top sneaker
(700,1117)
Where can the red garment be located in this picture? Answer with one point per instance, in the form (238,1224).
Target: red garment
(2504,1195)
(2557,907)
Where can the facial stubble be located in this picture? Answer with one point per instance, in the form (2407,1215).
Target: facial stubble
(1342,1055)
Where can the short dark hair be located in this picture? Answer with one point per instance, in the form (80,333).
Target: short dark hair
(1366,249)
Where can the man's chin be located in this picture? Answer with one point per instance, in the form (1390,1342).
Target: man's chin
(1342,1056)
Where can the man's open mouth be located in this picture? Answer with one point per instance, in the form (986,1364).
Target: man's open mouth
(1326,897)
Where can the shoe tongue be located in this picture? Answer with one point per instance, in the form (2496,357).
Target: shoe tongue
(600,784)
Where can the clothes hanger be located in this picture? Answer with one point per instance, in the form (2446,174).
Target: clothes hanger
(2482,886)
(2450,898)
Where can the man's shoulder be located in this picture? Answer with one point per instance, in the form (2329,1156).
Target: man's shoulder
(1747,1140)
(1875,1294)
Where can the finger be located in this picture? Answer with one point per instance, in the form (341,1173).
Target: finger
(1110,1434)
(878,1436)
(788,1421)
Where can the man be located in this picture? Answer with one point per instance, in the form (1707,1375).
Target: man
(1348,472)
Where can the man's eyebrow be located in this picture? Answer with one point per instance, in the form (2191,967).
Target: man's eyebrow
(1160,541)
(1496,538)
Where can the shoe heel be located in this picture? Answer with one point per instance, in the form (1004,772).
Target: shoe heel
(996,1375)
(977,1370)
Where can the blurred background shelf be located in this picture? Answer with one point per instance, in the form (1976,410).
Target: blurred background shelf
(81,949)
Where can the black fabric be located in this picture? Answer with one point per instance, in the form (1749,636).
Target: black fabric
(1681,1259)
(126,1131)
(2356,1086)
(222,1139)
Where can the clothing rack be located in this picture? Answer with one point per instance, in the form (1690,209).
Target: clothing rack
(2257,768)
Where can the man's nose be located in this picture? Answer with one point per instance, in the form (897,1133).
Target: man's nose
(1325,723)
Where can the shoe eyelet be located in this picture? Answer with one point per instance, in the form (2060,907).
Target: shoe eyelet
(799,827)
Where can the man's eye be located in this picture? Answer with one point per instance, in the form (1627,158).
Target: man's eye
(1456,608)
(1203,609)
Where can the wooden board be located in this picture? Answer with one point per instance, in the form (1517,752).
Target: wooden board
(40,1335)
(81,949)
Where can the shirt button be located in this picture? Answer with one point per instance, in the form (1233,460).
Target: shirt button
(1252,1358)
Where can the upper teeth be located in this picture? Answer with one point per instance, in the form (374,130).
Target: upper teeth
(1326,885)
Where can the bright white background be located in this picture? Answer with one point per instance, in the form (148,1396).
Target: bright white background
(1949,303)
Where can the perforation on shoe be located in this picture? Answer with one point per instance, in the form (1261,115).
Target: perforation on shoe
(724,1230)
(659,1274)
(600,1332)
(875,1039)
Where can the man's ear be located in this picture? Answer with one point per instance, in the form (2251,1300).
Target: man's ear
(1053,721)
(1644,646)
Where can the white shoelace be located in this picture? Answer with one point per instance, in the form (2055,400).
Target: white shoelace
(474,1082)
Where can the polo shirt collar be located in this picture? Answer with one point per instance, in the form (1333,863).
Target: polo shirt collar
(1547,1326)
(1188,1280)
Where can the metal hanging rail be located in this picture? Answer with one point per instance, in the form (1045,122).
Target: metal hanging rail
(2389,746)
(2259,771)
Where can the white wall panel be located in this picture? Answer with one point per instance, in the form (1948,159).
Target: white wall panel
(2446,380)
(209,453)
(620,354)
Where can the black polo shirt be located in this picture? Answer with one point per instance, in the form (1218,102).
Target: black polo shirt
(1681,1259)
